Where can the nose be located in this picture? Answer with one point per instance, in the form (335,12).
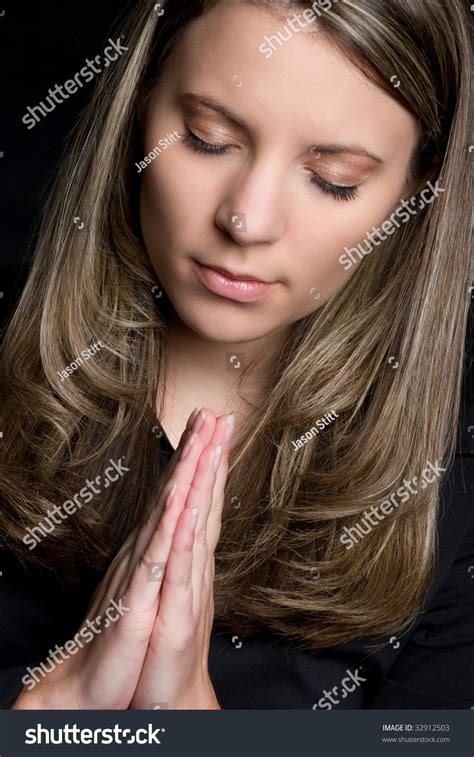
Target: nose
(252,211)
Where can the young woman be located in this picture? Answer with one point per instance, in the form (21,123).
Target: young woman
(274,237)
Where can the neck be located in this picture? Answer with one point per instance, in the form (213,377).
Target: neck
(212,370)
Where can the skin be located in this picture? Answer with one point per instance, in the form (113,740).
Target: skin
(158,651)
(296,233)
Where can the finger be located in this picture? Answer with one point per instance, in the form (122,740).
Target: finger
(127,640)
(121,568)
(121,574)
(110,584)
(174,622)
(184,461)
(181,478)
(219,430)
(145,585)
(205,508)
(183,439)
(141,597)
(200,437)
(215,515)
(200,496)
(217,439)
(208,597)
(192,417)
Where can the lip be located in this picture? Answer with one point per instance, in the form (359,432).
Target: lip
(237,276)
(242,288)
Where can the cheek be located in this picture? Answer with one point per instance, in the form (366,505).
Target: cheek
(335,229)
(318,278)
(176,204)
(161,195)
(317,270)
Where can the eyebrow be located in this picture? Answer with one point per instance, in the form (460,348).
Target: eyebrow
(337,149)
(210,102)
(331,149)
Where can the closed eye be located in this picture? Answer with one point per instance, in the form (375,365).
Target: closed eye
(198,145)
(335,190)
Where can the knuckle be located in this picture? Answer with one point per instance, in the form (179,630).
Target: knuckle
(183,640)
(146,559)
(201,537)
(180,580)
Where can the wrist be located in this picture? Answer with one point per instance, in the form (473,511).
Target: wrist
(201,697)
(214,704)
(30,700)
(46,695)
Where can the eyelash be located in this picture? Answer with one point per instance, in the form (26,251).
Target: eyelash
(198,145)
(338,192)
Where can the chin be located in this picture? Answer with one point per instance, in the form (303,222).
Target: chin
(215,325)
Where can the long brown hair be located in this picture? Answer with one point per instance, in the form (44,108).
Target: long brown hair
(280,562)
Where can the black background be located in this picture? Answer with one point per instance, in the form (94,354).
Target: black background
(41,44)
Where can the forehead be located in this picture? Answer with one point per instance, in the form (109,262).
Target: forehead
(307,87)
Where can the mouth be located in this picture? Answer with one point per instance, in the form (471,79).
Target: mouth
(242,287)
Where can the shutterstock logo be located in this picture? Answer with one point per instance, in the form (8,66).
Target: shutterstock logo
(348,685)
(296,24)
(377,513)
(61,512)
(61,92)
(406,210)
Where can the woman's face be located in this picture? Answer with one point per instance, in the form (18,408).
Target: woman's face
(288,134)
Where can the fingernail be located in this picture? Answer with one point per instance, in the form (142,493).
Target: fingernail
(184,436)
(170,496)
(188,446)
(229,427)
(192,417)
(217,456)
(194,517)
(200,418)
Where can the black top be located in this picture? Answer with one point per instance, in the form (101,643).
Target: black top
(429,667)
